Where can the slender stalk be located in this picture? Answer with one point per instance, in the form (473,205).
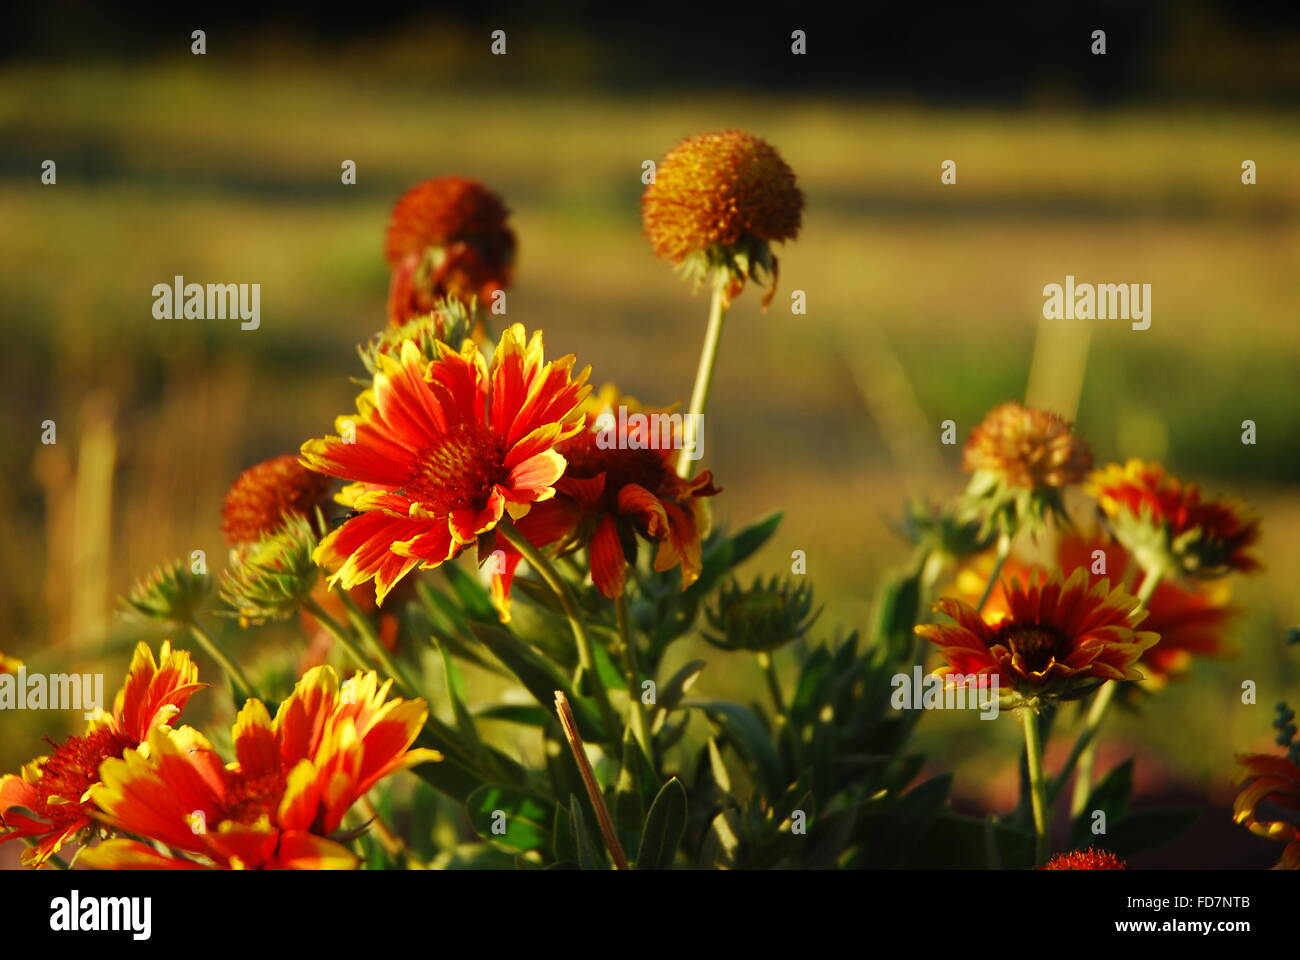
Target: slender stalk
(1004,550)
(586,658)
(367,630)
(340,634)
(243,687)
(704,372)
(1037,784)
(773,682)
(589,780)
(639,728)
(391,842)
(1084,753)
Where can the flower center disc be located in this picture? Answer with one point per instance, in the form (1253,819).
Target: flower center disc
(460,470)
(1036,645)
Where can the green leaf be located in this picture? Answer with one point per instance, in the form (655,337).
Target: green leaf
(1111,796)
(909,820)
(536,673)
(1147,828)
(524,714)
(750,738)
(589,855)
(563,841)
(473,596)
(897,605)
(681,681)
(524,820)
(664,826)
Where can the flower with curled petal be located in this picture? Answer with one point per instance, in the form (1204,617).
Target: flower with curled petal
(440,451)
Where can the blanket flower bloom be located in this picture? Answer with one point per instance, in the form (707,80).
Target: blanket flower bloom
(264,494)
(1191,621)
(1059,639)
(619,483)
(1020,458)
(277,805)
(1170,526)
(448,237)
(55,788)
(1269,803)
(442,451)
(718,202)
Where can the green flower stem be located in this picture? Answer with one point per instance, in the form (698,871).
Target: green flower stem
(773,682)
(366,628)
(639,728)
(1037,784)
(1004,551)
(704,372)
(340,634)
(1084,753)
(242,687)
(586,658)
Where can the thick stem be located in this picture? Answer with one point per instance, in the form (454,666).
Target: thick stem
(1037,784)
(1084,753)
(704,374)
(340,634)
(639,727)
(1004,550)
(243,687)
(586,658)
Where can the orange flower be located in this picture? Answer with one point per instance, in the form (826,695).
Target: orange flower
(1026,447)
(263,494)
(9,664)
(276,806)
(1269,803)
(447,238)
(1058,639)
(54,787)
(1086,860)
(442,451)
(725,197)
(1167,523)
(1190,622)
(617,484)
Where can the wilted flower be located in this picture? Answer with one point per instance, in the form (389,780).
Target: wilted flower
(717,203)
(442,451)
(269,580)
(762,617)
(447,238)
(277,805)
(1021,458)
(172,593)
(265,494)
(53,788)
(1057,640)
(619,483)
(1168,525)
(1086,860)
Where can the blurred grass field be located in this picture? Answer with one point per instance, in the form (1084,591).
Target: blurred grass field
(923,305)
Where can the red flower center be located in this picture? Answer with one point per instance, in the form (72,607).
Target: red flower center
(1036,644)
(646,468)
(460,471)
(251,797)
(72,769)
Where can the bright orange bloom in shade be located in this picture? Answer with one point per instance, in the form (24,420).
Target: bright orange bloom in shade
(54,787)
(1058,639)
(616,486)
(263,494)
(716,190)
(1085,860)
(277,805)
(1026,447)
(1190,622)
(443,451)
(448,237)
(1269,803)
(1151,510)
